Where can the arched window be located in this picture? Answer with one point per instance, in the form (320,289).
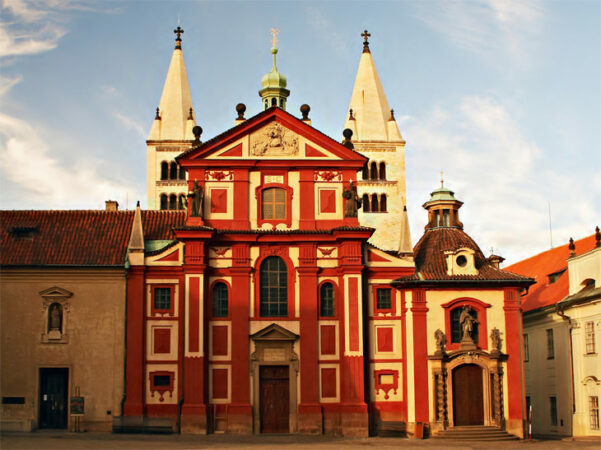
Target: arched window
(164,204)
(274,102)
(382,171)
(182,173)
(383,203)
(326,299)
(173,171)
(373,172)
(273,203)
(172,201)
(55,318)
(456,328)
(365,203)
(374,203)
(266,104)
(273,279)
(182,204)
(220,305)
(164,170)
(365,173)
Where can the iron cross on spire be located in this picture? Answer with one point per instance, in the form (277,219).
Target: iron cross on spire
(365,35)
(178,41)
(274,36)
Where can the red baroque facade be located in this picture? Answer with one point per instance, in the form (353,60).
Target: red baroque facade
(268,311)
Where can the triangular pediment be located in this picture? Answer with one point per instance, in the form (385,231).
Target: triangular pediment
(274,332)
(55,292)
(273,134)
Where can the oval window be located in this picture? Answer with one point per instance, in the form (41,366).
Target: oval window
(461,261)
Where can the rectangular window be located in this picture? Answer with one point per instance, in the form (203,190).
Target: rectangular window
(526,349)
(589,330)
(162,298)
(161,380)
(550,345)
(273,203)
(553,410)
(593,408)
(383,298)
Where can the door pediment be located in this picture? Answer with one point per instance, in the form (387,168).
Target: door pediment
(274,332)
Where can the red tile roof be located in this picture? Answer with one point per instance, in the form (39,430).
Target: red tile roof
(543,293)
(77,238)
(431,261)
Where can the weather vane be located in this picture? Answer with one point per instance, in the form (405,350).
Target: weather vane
(274,36)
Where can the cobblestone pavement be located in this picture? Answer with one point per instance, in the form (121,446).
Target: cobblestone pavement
(62,440)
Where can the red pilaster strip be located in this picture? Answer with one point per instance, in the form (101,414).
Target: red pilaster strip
(135,343)
(420,355)
(353,321)
(194,312)
(514,362)
(307,200)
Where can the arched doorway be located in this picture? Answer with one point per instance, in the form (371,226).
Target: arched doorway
(468,404)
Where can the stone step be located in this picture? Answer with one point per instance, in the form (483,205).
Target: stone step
(475,433)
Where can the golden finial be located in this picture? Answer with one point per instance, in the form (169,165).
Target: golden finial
(441,179)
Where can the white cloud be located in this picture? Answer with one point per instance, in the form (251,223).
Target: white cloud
(130,123)
(42,181)
(494,29)
(500,174)
(324,27)
(7,83)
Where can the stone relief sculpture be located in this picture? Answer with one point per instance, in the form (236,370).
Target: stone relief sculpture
(467,322)
(440,341)
(274,140)
(352,202)
(495,338)
(197,196)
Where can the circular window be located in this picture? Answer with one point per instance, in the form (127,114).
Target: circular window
(461,261)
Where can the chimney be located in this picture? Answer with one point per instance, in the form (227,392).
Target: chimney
(495,261)
(111,205)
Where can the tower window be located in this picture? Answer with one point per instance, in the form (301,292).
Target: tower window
(382,171)
(274,102)
(173,171)
(365,203)
(164,170)
(383,203)
(220,304)
(182,173)
(365,173)
(182,204)
(374,203)
(172,201)
(445,218)
(274,287)
(373,172)
(164,204)
(326,296)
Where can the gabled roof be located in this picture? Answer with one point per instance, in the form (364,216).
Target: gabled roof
(551,262)
(260,120)
(431,261)
(77,238)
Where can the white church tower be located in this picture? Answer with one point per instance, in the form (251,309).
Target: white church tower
(171,134)
(376,135)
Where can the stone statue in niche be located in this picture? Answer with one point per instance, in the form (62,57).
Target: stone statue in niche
(274,140)
(197,196)
(352,202)
(440,341)
(495,338)
(55,321)
(467,322)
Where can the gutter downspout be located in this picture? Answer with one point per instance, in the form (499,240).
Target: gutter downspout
(561,314)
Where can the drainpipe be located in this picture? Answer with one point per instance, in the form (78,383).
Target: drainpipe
(561,314)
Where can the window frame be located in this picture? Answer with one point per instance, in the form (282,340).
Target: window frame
(526,348)
(212,300)
(289,288)
(287,220)
(589,338)
(320,298)
(392,309)
(553,410)
(153,309)
(593,412)
(550,343)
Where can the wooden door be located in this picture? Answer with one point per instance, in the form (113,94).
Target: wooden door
(53,398)
(274,399)
(468,404)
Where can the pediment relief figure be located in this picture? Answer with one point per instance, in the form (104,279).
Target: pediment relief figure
(274,140)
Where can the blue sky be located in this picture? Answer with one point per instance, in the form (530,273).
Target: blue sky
(504,96)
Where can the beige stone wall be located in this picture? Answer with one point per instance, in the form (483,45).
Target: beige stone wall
(93,349)
(157,152)
(546,377)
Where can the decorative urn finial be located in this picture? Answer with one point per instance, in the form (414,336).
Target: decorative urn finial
(572,247)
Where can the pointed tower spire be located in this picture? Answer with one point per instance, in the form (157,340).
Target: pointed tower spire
(376,135)
(368,102)
(274,92)
(176,101)
(135,247)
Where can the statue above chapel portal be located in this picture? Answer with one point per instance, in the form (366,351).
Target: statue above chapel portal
(352,202)
(197,195)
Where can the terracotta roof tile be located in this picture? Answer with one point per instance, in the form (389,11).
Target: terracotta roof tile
(76,238)
(543,292)
(430,260)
